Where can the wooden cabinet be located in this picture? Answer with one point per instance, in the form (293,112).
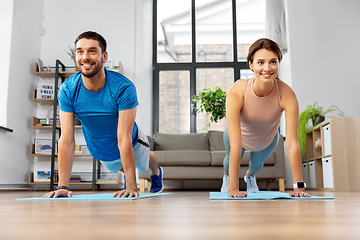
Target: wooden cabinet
(335,164)
(54,130)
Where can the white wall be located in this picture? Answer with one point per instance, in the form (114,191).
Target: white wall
(25,47)
(143,64)
(45,29)
(323,38)
(322,65)
(324,56)
(6,14)
(127,28)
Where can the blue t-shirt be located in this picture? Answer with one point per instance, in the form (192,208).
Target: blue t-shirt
(98,111)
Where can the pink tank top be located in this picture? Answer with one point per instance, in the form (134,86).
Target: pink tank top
(260,117)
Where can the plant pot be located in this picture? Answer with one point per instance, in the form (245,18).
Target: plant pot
(317,120)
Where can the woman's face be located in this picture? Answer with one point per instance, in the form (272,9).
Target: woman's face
(265,65)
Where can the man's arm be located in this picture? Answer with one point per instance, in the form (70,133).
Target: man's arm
(66,148)
(125,128)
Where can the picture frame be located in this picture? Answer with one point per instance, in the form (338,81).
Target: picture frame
(44,146)
(42,175)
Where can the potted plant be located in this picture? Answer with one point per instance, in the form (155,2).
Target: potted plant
(212,102)
(317,114)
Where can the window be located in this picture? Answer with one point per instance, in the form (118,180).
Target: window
(209,78)
(174,102)
(199,44)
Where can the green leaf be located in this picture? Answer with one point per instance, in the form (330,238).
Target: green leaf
(213,102)
(312,112)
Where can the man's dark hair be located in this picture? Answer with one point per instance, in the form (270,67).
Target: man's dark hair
(94,36)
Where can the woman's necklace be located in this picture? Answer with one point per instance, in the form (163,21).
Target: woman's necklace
(266,94)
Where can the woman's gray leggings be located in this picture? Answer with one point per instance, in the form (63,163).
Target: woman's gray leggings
(257,159)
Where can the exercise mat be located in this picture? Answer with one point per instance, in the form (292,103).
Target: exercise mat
(94,197)
(262,195)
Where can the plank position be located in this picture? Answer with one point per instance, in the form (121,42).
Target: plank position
(105,102)
(253,110)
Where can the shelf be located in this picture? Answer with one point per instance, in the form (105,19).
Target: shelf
(67,74)
(102,181)
(318,126)
(42,100)
(47,74)
(32,153)
(82,155)
(341,138)
(62,75)
(35,123)
(98,181)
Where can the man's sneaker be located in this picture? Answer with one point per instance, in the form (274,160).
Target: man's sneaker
(251,184)
(157,182)
(225,184)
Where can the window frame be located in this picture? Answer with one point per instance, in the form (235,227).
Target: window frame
(189,66)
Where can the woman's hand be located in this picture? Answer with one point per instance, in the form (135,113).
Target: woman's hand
(237,194)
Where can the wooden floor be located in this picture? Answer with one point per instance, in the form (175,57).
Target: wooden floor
(182,215)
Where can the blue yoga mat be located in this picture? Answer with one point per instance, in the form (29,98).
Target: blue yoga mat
(94,197)
(262,195)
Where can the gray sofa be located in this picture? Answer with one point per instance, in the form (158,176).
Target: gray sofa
(199,156)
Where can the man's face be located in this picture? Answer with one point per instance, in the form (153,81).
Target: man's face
(89,57)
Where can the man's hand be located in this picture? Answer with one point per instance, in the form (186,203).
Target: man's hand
(299,192)
(126,193)
(58,193)
(237,194)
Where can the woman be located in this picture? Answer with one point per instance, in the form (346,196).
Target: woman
(253,110)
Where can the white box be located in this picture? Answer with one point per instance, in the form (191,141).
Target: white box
(327,140)
(327,172)
(305,173)
(312,179)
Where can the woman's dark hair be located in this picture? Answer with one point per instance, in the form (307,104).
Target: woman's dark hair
(94,36)
(264,43)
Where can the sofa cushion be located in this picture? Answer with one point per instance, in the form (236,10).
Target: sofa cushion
(270,161)
(151,142)
(183,158)
(217,159)
(216,140)
(190,141)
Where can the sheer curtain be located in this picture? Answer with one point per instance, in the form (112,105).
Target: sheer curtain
(275,22)
(6,16)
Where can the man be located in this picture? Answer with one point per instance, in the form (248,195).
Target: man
(105,102)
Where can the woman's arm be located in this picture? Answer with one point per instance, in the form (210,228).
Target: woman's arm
(234,104)
(290,104)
